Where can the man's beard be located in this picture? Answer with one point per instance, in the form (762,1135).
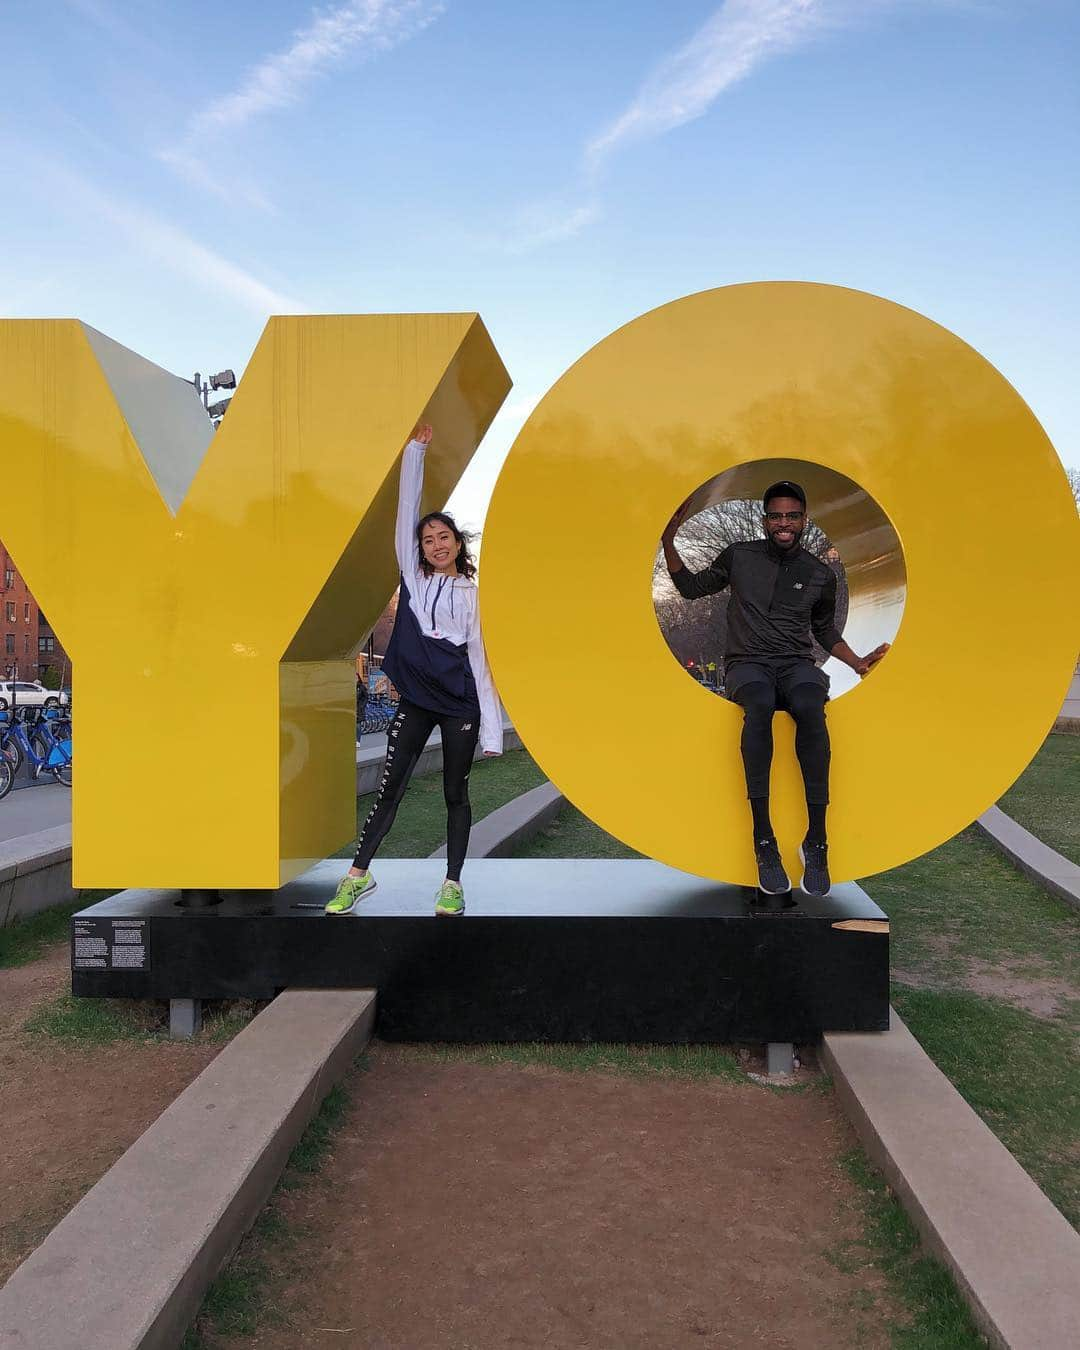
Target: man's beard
(788,548)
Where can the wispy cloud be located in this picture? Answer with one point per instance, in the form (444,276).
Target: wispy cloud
(358,28)
(546,222)
(178,251)
(167,245)
(187,162)
(734,41)
(350,31)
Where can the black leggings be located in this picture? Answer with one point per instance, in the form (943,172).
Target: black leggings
(405,740)
(806,704)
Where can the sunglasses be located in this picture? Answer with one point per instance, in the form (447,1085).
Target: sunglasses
(777,516)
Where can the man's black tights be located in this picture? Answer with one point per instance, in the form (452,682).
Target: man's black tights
(405,740)
(806,704)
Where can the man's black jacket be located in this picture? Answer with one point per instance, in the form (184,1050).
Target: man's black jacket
(777,600)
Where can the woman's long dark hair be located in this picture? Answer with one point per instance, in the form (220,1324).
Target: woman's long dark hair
(464,561)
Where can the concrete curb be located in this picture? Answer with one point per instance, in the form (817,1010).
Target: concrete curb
(128,1267)
(1038,860)
(35,873)
(1015,1258)
(369,760)
(498,834)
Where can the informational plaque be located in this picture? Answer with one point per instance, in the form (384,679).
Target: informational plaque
(110,944)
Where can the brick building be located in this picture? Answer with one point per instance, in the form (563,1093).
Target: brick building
(28,645)
(18,624)
(50,652)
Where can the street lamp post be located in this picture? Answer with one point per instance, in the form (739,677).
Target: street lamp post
(224,379)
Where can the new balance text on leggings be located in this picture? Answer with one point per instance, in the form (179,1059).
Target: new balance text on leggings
(405,740)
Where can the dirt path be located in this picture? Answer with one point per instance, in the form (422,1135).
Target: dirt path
(69,1111)
(467,1205)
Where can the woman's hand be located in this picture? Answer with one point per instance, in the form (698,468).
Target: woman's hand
(421,433)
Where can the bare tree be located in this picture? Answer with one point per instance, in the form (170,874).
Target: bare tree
(1073,476)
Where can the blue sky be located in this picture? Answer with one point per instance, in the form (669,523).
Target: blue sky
(174,172)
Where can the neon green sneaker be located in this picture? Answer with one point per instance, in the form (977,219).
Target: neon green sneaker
(350,890)
(450,899)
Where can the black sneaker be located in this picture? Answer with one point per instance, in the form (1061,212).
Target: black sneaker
(815,861)
(772,879)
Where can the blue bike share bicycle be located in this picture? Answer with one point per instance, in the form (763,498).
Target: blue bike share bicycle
(44,744)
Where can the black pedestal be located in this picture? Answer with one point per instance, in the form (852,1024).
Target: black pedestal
(548,950)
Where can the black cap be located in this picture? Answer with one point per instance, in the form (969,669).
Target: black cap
(783,489)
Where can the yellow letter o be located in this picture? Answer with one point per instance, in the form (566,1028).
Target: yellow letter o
(739,381)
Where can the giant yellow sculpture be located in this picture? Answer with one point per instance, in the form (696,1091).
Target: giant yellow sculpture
(210,589)
(932,476)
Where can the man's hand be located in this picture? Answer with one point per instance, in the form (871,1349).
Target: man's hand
(865,664)
(421,433)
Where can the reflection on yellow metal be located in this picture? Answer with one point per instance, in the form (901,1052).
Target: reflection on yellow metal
(210,589)
(965,483)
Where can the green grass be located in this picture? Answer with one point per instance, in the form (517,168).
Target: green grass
(240,1301)
(222,1020)
(106,1021)
(1019,1072)
(236,1304)
(1037,798)
(936,1317)
(669,1061)
(573,835)
(964,902)
(971,937)
(28,939)
(420,826)
(308,1155)
(91,1021)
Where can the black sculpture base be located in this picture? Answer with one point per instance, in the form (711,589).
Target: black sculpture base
(547,951)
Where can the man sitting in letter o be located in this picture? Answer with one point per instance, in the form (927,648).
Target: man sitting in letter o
(780,594)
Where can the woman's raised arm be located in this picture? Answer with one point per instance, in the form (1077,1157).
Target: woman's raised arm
(410,491)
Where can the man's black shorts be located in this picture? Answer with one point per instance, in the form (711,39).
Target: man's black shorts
(783,676)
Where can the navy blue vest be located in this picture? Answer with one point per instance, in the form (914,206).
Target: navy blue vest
(433,673)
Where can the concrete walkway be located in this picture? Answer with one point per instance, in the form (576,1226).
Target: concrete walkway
(31,807)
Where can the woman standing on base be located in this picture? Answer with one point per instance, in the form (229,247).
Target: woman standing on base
(436,660)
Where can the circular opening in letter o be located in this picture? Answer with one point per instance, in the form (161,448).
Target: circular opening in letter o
(933,434)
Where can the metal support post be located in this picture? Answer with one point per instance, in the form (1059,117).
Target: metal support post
(185,1018)
(779,1058)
